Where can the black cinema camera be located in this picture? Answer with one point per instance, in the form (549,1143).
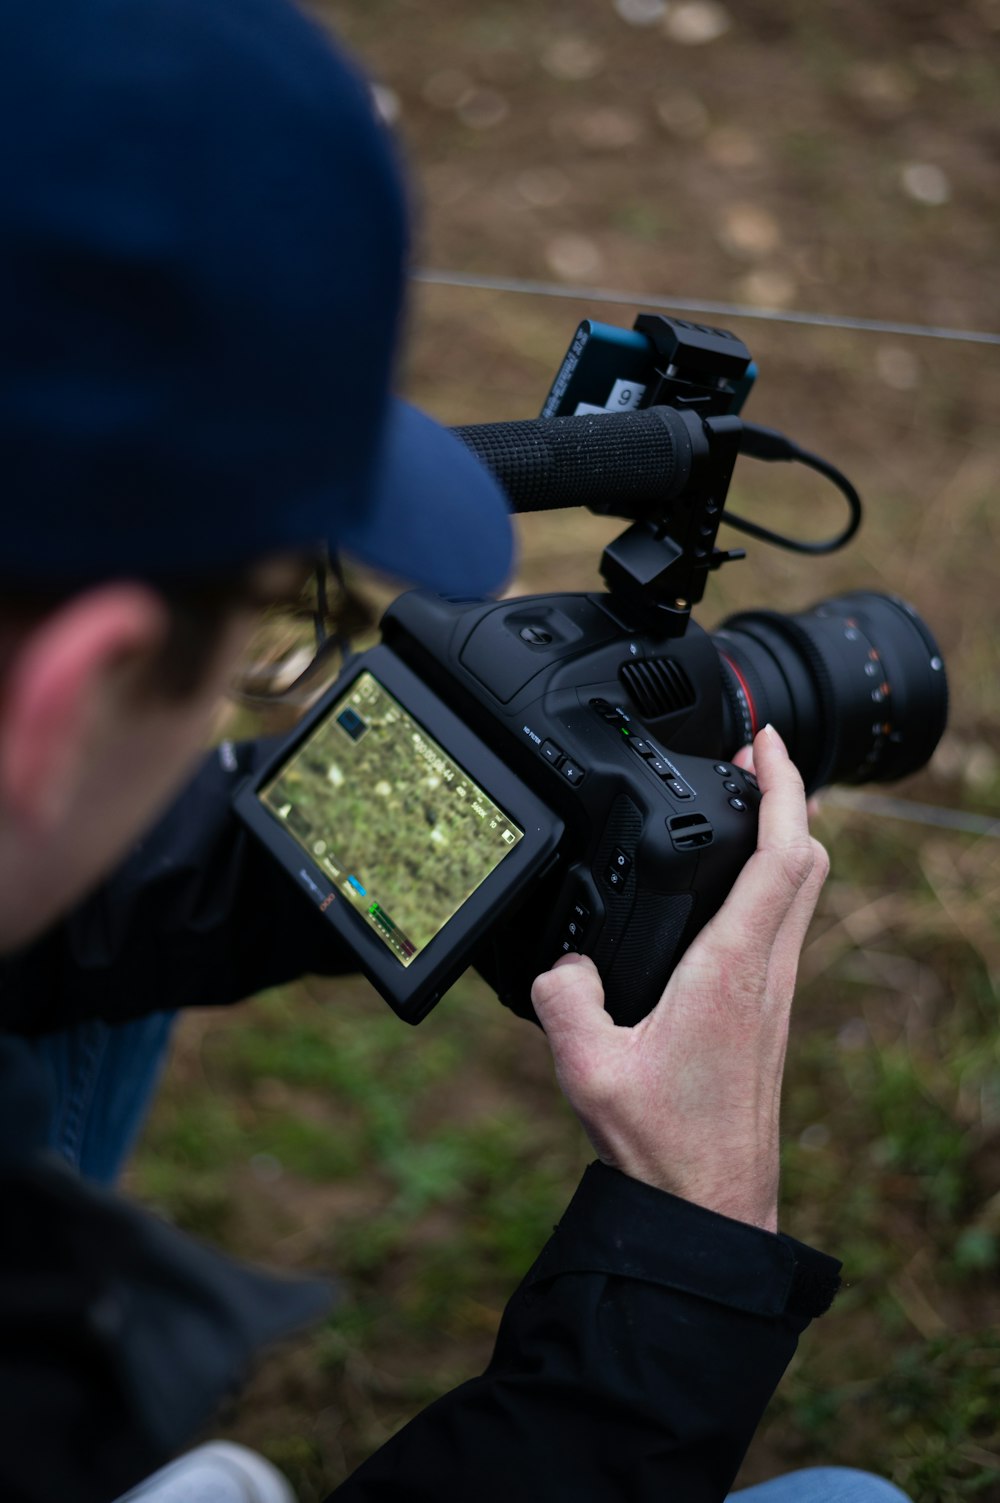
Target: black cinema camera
(497,783)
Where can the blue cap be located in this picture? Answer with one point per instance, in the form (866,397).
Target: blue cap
(202,262)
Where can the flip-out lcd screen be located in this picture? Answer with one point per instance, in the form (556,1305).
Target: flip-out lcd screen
(402,831)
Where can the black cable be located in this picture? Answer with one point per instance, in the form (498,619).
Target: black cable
(768,444)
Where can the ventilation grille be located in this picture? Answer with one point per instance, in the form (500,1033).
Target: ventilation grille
(657,686)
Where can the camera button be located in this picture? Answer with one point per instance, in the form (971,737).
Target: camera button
(572,773)
(737,803)
(552,753)
(723,770)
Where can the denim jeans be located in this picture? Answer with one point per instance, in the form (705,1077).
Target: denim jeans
(823,1484)
(102,1082)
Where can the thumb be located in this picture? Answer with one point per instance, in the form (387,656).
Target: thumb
(569,1000)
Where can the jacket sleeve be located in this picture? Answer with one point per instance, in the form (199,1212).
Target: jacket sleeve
(197,915)
(634,1361)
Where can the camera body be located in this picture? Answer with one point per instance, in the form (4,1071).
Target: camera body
(655,825)
(498,783)
(638,840)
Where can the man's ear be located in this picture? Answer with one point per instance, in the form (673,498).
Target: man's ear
(57,689)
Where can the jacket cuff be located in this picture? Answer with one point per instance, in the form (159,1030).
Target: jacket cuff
(622,1227)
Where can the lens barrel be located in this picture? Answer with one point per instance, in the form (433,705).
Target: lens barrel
(855,685)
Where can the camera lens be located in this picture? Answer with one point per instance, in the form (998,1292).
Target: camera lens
(855,685)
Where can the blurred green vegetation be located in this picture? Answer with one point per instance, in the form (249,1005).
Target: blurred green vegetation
(424,1167)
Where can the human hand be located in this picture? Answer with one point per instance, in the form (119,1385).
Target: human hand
(688,1099)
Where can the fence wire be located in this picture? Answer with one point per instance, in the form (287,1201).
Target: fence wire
(694,305)
(965,822)
(883,806)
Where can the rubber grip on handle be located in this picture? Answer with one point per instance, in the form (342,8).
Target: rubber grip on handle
(620,463)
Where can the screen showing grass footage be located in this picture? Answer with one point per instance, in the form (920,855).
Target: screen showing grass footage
(402,831)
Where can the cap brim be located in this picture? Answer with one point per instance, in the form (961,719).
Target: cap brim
(435,516)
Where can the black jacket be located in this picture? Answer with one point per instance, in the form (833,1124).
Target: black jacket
(633,1362)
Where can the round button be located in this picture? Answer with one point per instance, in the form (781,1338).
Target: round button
(723,770)
(737,803)
(731,787)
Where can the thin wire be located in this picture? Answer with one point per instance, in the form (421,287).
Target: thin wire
(692,305)
(914,814)
(880,805)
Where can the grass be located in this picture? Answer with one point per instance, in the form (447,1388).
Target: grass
(425,1167)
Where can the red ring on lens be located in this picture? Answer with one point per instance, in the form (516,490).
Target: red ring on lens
(754,723)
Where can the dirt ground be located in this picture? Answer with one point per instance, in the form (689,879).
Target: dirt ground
(839,158)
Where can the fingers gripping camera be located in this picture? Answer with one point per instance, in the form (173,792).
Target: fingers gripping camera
(666,857)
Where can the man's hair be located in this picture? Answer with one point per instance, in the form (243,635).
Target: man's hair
(198,617)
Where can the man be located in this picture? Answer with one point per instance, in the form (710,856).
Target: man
(203,250)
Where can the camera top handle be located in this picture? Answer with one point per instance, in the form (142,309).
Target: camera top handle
(667,466)
(667,469)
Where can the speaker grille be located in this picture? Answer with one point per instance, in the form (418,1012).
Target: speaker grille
(657,686)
